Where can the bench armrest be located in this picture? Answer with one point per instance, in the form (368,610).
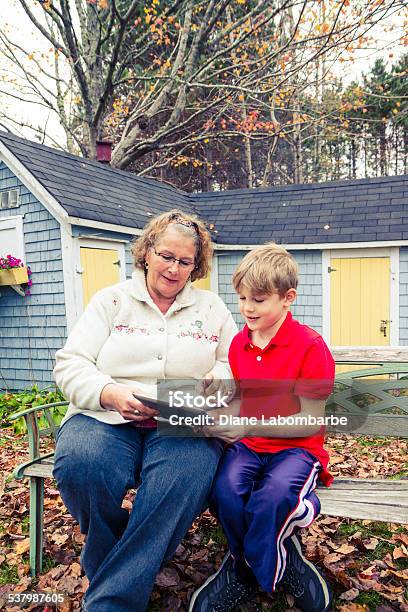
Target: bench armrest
(34,418)
(24,413)
(19,471)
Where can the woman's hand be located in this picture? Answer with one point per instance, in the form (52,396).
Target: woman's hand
(120,398)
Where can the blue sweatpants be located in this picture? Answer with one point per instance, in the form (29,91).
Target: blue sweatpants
(261,499)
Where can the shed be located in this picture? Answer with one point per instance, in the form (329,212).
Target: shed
(72,219)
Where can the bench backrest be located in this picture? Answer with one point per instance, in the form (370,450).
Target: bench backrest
(375,401)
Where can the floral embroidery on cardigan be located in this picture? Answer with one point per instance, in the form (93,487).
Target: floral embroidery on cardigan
(197,333)
(130,329)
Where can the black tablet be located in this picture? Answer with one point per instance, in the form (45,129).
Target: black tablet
(166,411)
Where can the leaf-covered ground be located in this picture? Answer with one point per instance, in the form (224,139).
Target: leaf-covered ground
(365,562)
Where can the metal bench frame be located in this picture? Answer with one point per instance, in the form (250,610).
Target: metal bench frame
(355,498)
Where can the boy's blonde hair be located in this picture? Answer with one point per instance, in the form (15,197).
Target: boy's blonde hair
(267,269)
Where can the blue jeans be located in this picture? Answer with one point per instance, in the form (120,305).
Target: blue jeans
(95,464)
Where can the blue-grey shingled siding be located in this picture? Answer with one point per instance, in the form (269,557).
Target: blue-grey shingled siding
(32,328)
(308,307)
(403,306)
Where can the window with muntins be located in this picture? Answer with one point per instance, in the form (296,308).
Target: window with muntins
(9,198)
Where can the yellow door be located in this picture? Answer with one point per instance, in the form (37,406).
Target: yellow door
(203,283)
(100,269)
(360,301)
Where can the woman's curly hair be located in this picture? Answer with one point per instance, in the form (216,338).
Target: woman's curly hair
(191,225)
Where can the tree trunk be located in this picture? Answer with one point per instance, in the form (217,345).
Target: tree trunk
(383,151)
(353,159)
(297,151)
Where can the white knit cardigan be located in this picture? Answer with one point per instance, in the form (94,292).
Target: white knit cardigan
(123,337)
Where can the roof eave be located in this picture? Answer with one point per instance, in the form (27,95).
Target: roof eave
(33,184)
(322,246)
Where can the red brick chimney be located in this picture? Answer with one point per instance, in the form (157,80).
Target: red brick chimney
(103,151)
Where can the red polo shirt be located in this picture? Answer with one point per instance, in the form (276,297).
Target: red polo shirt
(296,363)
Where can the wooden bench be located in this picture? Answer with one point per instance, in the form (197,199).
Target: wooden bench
(379,500)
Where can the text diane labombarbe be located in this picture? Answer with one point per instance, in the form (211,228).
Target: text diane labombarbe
(179,400)
(202,420)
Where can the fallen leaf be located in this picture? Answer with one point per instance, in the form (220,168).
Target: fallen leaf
(56,572)
(353,608)
(403,574)
(127,505)
(290,599)
(335,460)
(350,594)
(2,483)
(332,558)
(345,549)
(366,584)
(199,556)
(23,584)
(60,538)
(388,561)
(371,544)
(400,552)
(51,492)
(400,537)
(23,546)
(168,577)
(75,570)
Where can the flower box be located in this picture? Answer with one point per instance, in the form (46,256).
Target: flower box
(14,276)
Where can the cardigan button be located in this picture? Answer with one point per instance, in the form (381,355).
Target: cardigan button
(161,328)
(159,357)
(259,358)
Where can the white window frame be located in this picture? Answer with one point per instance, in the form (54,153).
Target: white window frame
(9,191)
(214,274)
(16,223)
(96,243)
(393,254)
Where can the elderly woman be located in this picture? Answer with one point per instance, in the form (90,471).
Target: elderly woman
(154,326)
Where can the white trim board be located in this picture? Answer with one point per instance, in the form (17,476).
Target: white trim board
(111,227)
(318,246)
(393,254)
(214,275)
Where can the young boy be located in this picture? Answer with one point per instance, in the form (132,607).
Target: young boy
(264,488)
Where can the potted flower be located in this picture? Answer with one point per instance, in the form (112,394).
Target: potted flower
(14,272)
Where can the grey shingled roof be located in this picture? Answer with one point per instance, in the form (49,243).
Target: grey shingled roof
(90,190)
(356,211)
(363,210)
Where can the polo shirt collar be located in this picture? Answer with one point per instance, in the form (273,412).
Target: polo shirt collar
(186,297)
(283,336)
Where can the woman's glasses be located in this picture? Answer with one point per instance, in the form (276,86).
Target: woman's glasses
(183,263)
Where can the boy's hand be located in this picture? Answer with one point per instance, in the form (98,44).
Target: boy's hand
(210,385)
(226,433)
